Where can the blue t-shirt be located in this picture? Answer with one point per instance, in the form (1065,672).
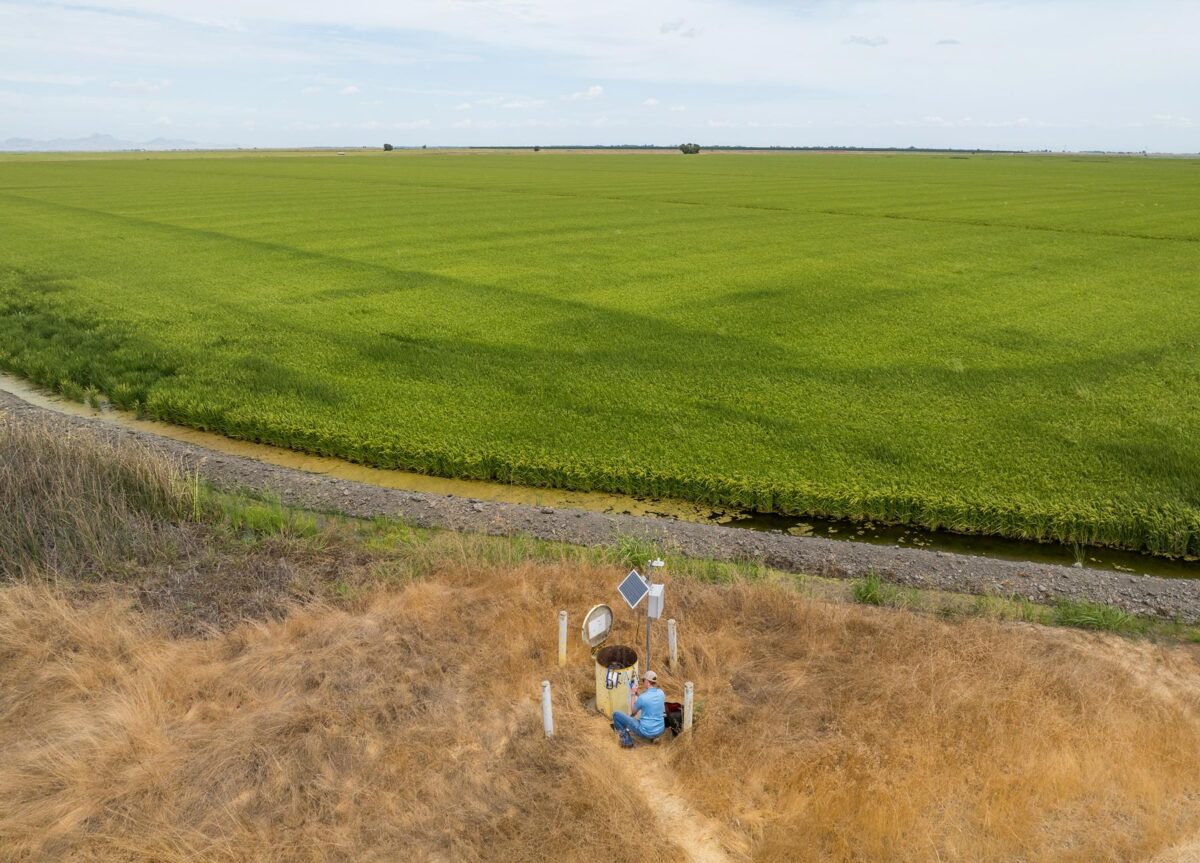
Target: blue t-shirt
(650,703)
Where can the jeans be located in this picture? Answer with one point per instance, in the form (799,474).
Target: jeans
(625,722)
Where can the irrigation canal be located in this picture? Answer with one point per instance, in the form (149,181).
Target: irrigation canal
(842,530)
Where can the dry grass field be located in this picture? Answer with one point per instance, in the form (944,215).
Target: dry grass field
(376,699)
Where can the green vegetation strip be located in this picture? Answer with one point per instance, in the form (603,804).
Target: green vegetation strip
(1002,345)
(872,590)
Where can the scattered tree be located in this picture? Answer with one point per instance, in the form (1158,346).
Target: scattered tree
(388,147)
(689,149)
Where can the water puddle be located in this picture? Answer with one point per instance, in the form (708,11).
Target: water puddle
(1002,548)
(850,531)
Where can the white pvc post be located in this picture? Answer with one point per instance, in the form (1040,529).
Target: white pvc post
(673,644)
(547,711)
(649,619)
(562,639)
(688,695)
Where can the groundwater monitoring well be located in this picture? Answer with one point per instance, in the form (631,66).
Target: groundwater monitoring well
(616,664)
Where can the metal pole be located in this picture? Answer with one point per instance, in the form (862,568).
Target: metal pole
(649,619)
(547,711)
(562,639)
(688,696)
(673,644)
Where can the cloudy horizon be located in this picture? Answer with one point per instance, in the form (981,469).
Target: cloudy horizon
(1066,75)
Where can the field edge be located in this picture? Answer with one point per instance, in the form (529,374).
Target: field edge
(1164,531)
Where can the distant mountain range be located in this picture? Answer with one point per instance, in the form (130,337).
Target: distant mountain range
(95,144)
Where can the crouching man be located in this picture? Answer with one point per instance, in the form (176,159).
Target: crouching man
(647,719)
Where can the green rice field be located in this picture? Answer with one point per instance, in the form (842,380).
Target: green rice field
(997,344)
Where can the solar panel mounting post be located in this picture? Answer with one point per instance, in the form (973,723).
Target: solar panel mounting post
(649,619)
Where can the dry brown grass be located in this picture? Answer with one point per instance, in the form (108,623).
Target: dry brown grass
(332,735)
(74,504)
(405,726)
(882,735)
(397,718)
(83,511)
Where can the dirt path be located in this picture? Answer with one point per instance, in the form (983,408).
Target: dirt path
(646,767)
(1188,852)
(1144,594)
(702,839)
(1172,673)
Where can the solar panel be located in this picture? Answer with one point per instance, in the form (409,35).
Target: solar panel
(633,589)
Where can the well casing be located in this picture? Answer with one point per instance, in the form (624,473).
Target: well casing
(616,678)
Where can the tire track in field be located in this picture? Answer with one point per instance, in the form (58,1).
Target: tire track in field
(411,279)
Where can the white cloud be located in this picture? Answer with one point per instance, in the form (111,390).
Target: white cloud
(372,125)
(163,121)
(593,92)
(234,25)
(1174,120)
(678,26)
(38,78)
(141,85)
(649,103)
(349,90)
(975,123)
(867,41)
(501,101)
(753,63)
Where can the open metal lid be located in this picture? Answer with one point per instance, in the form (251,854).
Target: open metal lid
(597,624)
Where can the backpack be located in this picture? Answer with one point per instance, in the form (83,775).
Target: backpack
(673,717)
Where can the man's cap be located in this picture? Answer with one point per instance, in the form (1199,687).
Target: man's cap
(652,677)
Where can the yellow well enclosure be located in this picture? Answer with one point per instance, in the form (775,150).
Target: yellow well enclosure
(616,678)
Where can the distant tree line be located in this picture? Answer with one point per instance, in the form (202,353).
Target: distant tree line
(689,149)
(823,148)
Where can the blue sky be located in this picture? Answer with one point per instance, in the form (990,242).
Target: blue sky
(1053,74)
